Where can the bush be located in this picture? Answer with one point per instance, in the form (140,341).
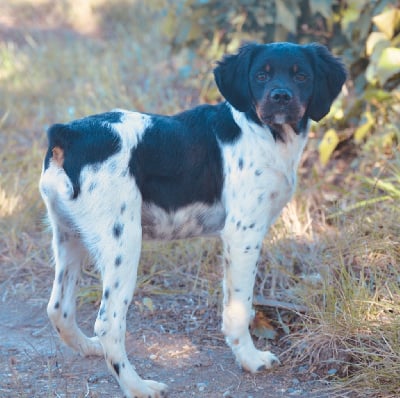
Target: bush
(364,33)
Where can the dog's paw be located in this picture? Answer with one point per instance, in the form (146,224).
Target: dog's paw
(150,389)
(259,361)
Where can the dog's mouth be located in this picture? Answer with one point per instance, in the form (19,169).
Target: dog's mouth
(271,115)
(278,118)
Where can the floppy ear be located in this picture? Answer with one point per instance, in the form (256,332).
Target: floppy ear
(329,77)
(232,77)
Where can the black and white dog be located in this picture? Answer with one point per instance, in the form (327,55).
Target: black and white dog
(111,179)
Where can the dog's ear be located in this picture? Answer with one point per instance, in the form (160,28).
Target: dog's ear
(232,77)
(329,77)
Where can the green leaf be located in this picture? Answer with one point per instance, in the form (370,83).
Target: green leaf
(324,7)
(350,16)
(388,64)
(377,94)
(364,128)
(357,4)
(373,39)
(327,146)
(287,12)
(388,22)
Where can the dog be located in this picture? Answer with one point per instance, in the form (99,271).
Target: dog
(111,179)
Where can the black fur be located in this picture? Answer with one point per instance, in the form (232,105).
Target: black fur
(232,77)
(90,140)
(236,79)
(177,151)
(330,74)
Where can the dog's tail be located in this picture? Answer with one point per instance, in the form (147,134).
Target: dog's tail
(59,138)
(82,142)
(54,180)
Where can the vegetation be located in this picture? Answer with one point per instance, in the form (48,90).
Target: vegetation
(365,33)
(335,250)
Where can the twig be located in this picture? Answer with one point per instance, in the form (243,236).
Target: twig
(262,301)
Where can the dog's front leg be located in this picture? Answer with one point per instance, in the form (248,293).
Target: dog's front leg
(242,242)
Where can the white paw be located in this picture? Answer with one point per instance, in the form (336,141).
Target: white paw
(151,389)
(258,361)
(248,357)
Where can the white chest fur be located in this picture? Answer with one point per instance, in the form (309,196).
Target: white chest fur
(260,172)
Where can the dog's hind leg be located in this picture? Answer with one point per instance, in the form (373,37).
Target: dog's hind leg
(69,255)
(118,250)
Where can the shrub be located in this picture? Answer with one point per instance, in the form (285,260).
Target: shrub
(364,33)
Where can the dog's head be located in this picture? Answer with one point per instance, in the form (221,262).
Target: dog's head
(281,83)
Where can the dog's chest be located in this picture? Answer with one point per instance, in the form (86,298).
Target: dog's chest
(260,173)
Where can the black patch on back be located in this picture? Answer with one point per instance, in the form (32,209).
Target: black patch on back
(178,161)
(90,140)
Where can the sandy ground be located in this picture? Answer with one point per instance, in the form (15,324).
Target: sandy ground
(194,363)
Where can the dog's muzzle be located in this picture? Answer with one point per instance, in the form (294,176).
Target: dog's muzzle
(279,107)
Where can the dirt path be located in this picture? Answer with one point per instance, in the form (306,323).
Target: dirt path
(37,364)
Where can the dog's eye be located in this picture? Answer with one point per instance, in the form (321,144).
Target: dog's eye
(262,76)
(300,77)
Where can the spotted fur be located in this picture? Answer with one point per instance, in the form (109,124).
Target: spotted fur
(111,179)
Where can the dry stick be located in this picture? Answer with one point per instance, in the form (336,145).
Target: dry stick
(260,300)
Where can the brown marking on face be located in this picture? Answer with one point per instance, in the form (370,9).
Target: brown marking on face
(302,110)
(58,156)
(267,67)
(295,68)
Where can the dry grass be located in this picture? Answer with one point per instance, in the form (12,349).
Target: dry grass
(49,74)
(334,250)
(351,332)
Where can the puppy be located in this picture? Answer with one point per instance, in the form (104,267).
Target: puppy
(113,179)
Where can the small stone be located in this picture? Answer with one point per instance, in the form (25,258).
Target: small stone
(303,369)
(201,386)
(294,391)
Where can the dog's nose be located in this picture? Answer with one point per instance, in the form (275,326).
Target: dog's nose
(281,96)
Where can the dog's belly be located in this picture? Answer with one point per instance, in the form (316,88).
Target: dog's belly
(193,220)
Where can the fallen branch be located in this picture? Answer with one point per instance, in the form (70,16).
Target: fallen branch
(262,301)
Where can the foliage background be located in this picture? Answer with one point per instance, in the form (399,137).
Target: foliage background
(365,34)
